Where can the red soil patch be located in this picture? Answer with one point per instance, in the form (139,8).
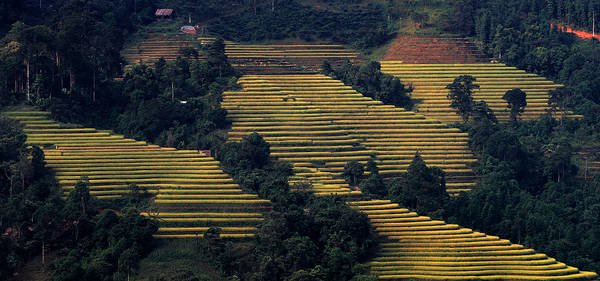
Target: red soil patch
(579,33)
(430,49)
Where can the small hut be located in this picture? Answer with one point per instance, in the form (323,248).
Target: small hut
(164,13)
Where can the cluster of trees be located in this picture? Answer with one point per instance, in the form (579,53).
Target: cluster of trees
(460,94)
(102,243)
(62,47)
(175,104)
(482,17)
(371,82)
(305,237)
(86,242)
(528,187)
(363,26)
(421,188)
(27,193)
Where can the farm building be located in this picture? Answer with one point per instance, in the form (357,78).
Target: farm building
(165,13)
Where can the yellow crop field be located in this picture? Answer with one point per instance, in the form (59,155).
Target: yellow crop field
(298,115)
(280,107)
(429,82)
(453,254)
(203,193)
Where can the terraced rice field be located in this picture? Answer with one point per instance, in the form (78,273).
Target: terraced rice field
(430,80)
(318,124)
(419,248)
(284,58)
(191,192)
(250,58)
(157,46)
(434,49)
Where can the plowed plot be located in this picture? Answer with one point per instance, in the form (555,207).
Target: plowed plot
(429,49)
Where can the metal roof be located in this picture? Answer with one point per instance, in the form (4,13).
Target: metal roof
(163,12)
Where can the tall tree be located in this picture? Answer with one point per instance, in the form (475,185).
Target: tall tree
(517,101)
(460,94)
(559,100)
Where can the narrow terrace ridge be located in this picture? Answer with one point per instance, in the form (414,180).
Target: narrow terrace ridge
(191,192)
(284,58)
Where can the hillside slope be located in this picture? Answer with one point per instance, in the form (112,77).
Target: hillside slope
(319,123)
(304,118)
(191,192)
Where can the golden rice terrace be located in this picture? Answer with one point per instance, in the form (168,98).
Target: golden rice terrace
(191,192)
(318,124)
(430,81)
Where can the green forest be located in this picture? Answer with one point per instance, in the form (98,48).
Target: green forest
(64,57)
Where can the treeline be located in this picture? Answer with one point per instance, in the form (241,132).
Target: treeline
(530,192)
(126,13)
(362,26)
(86,241)
(65,47)
(175,104)
(472,16)
(368,80)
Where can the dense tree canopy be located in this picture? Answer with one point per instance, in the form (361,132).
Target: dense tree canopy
(62,47)
(422,188)
(360,26)
(306,237)
(528,188)
(371,82)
